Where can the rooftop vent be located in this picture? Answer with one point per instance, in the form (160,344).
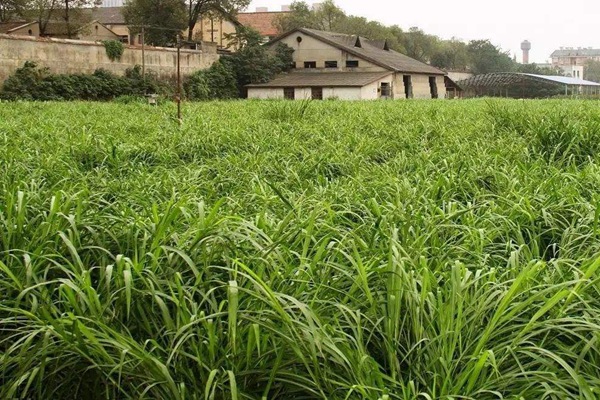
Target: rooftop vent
(386,47)
(357,43)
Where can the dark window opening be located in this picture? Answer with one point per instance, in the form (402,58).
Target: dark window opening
(310,64)
(30,32)
(351,63)
(330,64)
(316,93)
(289,93)
(293,65)
(386,89)
(433,87)
(408,86)
(358,43)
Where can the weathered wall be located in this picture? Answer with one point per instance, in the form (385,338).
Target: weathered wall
(342,93)
(311,49)
(265,93)
(420,86)
(74,56)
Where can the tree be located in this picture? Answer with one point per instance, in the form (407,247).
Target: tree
(451,55)
(591,71)
(485,58)
(419,45)
(255,63)
(197,9)
(166,19)
(300,16)
(12,9)
(73,15)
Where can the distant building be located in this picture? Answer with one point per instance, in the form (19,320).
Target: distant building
(92,31)
(349,67)
(572,61)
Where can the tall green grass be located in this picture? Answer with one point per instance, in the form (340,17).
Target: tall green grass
(389,250)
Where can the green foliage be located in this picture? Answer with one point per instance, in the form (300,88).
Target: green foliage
(166,19)
(486,57)
(33,83)
(255,63)
(114,49)
(289,250)
(217,82)
(591,71)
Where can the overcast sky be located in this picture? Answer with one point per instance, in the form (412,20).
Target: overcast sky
(547,24)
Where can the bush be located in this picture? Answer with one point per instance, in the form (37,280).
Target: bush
(31,82)
(114,49)
(217,82)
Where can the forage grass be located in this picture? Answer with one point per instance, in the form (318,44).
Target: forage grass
(270,250)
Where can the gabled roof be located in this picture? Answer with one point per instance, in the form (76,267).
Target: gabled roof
(109,15)
(58,27)
(323,79)
(369,50)
(576,52)
(6,27)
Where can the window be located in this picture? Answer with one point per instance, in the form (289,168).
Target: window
(293,65)
(289,94)
(385,89)
(433,87)
(316,93)
(351,63)
(310,64)
(330,64)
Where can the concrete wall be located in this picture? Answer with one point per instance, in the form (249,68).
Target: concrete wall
(265,93)
(74,56)
(311,49)
(342,93)
(420,86)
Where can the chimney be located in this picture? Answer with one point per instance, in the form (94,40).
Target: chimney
(285,8)
(526,46)
(262,9)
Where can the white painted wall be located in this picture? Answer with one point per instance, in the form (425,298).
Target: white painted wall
(342,93)
(265,93)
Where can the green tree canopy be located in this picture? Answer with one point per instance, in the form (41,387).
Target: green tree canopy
(591,71)
(166,19)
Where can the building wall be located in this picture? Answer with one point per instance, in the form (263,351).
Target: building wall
(34,28)
(265,93)
(74,56)
(342,93)
(311,49)
(420,86)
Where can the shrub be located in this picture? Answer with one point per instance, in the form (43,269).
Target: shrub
(114,49)
(31,82)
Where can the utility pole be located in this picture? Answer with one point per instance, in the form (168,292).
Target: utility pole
(179,78)
(143,53)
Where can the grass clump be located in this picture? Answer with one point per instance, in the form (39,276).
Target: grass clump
(390,250)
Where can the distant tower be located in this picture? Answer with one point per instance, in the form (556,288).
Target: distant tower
(526,46)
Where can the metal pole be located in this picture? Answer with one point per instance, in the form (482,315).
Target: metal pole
(143,54)
(179,78)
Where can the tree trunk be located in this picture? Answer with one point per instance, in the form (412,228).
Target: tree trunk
(67,19)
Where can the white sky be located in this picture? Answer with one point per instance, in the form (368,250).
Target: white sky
(547,24)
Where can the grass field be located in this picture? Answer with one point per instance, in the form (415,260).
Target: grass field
(290,250)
